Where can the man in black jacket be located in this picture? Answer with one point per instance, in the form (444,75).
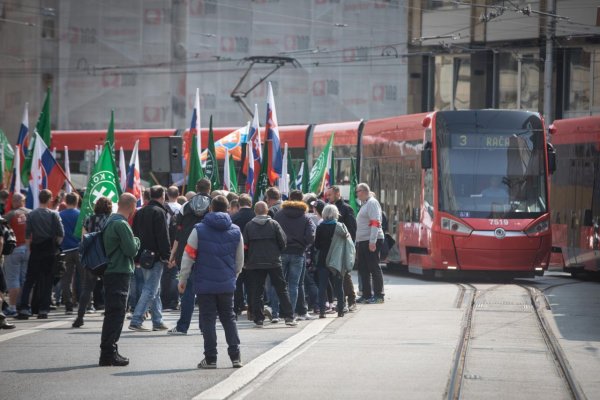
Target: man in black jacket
(265,240)
(150,225)
(347,218)
(241,218)
(191,214)
(300,233)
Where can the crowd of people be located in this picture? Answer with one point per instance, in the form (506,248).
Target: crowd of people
(278,260)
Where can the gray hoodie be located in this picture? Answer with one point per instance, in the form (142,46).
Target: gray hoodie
(265,240)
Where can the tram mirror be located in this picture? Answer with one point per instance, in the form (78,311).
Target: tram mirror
(426,156)
(551,159)
(587,218)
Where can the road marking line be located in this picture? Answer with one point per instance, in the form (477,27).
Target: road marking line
(250,371)
(23,332)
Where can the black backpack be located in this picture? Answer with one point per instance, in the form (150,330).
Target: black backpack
(191,214)
(10,240)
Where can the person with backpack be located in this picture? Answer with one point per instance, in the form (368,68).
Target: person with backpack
(191,214)
(121,247)
(15,264)
(92,223)
(169,295)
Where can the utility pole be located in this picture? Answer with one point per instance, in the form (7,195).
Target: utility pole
(549,62)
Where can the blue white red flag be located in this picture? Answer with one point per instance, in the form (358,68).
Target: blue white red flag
(134,184)
(23,139)
(46,173)
(254,152)
(272,128)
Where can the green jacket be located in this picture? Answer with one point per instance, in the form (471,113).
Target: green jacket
(340,259)
(120,245)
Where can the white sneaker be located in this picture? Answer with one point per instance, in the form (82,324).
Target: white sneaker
(306,317)
(274,320)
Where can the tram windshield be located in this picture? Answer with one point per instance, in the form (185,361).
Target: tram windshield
(491,164)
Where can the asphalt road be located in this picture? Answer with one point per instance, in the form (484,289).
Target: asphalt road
(403,348)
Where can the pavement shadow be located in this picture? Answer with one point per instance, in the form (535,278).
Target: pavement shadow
(51,370)
(155,372)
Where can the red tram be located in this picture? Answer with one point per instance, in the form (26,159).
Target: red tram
(576,195)
(463,190)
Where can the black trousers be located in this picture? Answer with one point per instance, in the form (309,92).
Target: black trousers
(368,267)
(256,282)
(88,282)
(116,289)
(239,295)
(169,295)
(39,274)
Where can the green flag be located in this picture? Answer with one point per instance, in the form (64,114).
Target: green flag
(196,172)
(305,173)
(353,184)
(291,172)
(317,173)
(43,129)
(212,167)
(229,175)
(104,182)
(262,184)
(8,154)
(110,133)
(43,124)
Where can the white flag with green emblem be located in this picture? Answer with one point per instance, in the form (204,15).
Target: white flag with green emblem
(104,182)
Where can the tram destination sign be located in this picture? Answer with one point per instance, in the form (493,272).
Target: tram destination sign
(480,141)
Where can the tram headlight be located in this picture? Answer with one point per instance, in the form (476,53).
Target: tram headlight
(538,228)
(451,225)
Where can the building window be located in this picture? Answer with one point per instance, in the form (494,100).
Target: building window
(443,82)
(596,82)
(508,72)
(577,80)
(530,82)
(462,83)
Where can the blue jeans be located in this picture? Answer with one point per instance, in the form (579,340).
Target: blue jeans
(135,288)
(187,307)
(312,290)
(212,305)
(292,266)
(150,296)
(15,267)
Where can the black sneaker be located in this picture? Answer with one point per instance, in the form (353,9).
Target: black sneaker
(22,316)
(42,316)
(259,324)
(204,364)
(78,323)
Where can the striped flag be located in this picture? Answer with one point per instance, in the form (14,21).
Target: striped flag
(122,170)
(254,153)
(284,185)
(134,185)
(45,173)
(68,188)
(274,167)
(23,139)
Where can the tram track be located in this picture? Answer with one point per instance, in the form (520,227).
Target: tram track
(553,348)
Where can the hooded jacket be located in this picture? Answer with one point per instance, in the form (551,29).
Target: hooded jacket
(265,240)
(340,258)
(216,249)
(191,213)
(150,225)
(298,227)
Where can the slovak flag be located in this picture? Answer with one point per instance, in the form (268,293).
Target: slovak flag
(46,173)
(275,164)
(134,185)
(23,139)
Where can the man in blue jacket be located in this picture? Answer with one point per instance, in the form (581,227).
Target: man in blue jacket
(214,255)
